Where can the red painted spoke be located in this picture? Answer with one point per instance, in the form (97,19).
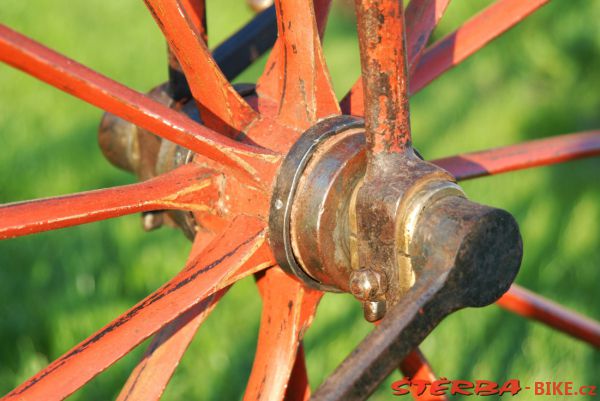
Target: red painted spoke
(196,13)
(322,8)
(189,187)
(221,107)
(150,377)
(525,303)
(78,80)
(416,367)
(240,250)
(456,47)
(384,74)
(422,16)
(196,17)
(540,152)
(472,36)
(298,388)
(296,76)
(288,310)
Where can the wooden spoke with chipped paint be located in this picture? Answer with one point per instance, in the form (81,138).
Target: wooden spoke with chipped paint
(470,37)
(541,152)
(296,76)
(150,377)
(288,310)
(238,251)
(456,47)
(298,388)
(188,188)
(422,16)
(221,107)
(77,80)
(196,13)
(532,306)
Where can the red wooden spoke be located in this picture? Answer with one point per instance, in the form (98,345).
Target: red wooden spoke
(189,187)
(456,47)
(78,80)
(240,250)
(221,107)
(322,8)
(298,388)
(150,377)
(288,310)
(269,83)
(196,13)
(296,76)
(540,152)
(384,74)
(472,36)
(422,16)
(525,303)
(416,367)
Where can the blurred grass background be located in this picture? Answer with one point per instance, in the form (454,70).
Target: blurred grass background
(538,80)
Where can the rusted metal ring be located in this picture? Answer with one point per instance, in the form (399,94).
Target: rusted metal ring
(286,184)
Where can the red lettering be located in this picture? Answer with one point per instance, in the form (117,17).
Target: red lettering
(592,391)
(568,388)
(485,387)
(556,388)
(511,386)
(421,385)
(439,387)
(398,384)
(538,388)
(461,387)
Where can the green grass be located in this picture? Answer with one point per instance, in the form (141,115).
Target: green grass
(540,79)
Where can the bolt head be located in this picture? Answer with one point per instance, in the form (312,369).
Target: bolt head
(367,284)
(152,220)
